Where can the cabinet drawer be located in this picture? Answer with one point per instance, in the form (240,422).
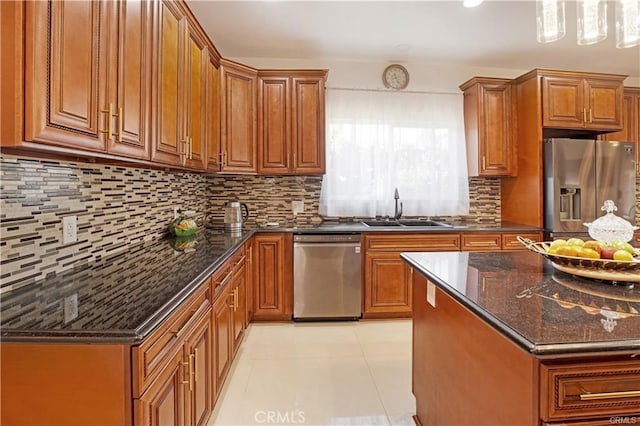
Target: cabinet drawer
(510,241)
(413,242)
(222,276)
(481,242)
(590,390)
(158,348)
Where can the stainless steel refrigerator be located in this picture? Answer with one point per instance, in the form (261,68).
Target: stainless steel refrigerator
(579,175)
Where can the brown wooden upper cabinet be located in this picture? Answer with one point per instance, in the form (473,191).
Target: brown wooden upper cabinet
(84,77)
(582,101)
(180,89)
(630,122)
(291,121)
(238,118)
(488,124)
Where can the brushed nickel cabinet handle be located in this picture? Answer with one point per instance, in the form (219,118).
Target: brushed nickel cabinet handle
(584,115)
(484,162)
(120,121)
(195,365)
(609,395)
(590,115)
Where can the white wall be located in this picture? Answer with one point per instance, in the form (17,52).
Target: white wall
(368,75)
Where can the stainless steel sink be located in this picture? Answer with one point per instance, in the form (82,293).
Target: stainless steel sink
(423,223)
(381,223)
(412,223)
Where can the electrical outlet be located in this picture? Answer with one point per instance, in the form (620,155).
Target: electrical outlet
(297,207)
(176,212)
(70,308)
(69,229)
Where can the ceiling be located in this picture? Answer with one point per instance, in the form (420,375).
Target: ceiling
(499,34)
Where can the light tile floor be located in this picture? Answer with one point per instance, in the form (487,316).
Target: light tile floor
(343,373)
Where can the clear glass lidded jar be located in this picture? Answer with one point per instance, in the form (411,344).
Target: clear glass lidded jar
(610,227)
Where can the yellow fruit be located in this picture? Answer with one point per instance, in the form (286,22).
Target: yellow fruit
(623,255)
(567,250)
(553,250)
(557,243)
(575,242)
(588,253)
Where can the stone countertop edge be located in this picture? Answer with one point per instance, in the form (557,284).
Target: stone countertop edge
(357,227)
(538,350)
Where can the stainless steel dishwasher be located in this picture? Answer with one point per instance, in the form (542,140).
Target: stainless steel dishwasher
(327,281)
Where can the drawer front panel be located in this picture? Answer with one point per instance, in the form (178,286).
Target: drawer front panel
(510,241)
(152,355)
(590,390)
(413,242)
(481,242)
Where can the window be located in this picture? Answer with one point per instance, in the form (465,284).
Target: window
(379,141)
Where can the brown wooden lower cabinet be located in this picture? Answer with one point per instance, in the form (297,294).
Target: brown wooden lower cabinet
(273,277)
(387,278)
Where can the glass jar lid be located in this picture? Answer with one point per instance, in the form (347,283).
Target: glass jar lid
(610,227)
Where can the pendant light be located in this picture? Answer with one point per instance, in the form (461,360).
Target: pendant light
(592,21)
(627,23)
(549,20)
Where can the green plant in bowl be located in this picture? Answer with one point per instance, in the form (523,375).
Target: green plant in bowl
(183,227)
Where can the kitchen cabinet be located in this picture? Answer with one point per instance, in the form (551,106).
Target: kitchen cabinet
(195,115)
(213,113)
(291,121)
(180,88)
(86,78)
(630,122)
(228,285)
(174,377)
(238,112)
(582,101)
(387,278)
(273,277)
(553,103)
(248,252)
(168,84)
(489,126)
(510,239)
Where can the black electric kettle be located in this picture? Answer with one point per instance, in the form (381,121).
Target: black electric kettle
(235,215)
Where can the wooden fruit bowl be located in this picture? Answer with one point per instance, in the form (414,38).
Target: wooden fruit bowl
(579,263)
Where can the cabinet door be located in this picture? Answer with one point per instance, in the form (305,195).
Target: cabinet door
(62,63)
(222,339)
(563,103)
(128,65)
(163,402)
(387,284)
(273,286)
(482,241)
(167,146)
(248,250)
(213,114)
(629,130)
(198,353)
(274,125)
(239,290)
(308,125)
(604,108)
(196,99)
(495,138)
(238,120)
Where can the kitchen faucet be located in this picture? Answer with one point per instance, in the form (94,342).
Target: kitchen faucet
(396,197)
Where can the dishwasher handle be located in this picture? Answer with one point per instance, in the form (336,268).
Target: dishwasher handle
(326,238)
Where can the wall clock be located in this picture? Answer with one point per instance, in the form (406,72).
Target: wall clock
(395,76)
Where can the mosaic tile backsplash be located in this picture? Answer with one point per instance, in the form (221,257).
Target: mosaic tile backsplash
(118,206)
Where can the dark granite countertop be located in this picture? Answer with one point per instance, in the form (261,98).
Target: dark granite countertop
(119,299)
(545,311)
(122,298)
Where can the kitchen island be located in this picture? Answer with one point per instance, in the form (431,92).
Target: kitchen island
(505,339)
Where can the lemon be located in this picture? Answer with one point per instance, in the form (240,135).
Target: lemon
(558,243)
(623,255)
(575,242)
